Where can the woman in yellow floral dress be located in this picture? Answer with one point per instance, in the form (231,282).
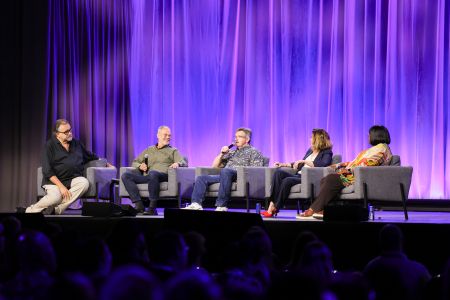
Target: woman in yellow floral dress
(331,185)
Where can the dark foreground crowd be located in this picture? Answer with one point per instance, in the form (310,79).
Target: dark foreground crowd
(52,264)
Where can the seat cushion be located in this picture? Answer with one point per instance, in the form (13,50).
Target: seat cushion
(296,188)
(348,190)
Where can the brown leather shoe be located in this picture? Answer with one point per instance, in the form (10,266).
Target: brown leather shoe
(318,215)
(306,214)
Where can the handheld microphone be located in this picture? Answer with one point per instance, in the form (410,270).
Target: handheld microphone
(146,162)
(231,146)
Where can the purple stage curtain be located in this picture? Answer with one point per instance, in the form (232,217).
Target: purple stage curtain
(283,68)
(88,74)
(119,69)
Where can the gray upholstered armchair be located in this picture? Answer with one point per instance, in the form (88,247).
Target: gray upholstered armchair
(380,184)
(307,189)
(178,186)
(246,180)
(98,175)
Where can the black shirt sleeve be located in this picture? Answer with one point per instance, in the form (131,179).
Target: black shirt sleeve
(87,155)
(47,169)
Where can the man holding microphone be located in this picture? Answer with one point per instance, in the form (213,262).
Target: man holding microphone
(244,156)
(153,164)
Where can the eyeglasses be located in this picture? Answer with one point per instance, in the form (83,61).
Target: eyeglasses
(66,132)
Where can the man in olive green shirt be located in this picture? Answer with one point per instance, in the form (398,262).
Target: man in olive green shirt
(153,164)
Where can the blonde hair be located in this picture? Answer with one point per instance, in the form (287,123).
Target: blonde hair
(321,140)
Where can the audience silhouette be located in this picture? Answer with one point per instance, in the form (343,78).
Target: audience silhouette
(56,263)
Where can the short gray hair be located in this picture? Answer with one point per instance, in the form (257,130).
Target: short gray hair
(162,127)
(248,132)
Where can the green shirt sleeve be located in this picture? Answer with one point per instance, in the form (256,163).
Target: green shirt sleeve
(140,159)
(177,158)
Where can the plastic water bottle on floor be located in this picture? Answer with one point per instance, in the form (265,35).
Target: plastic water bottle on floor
(371,215)
(258,208)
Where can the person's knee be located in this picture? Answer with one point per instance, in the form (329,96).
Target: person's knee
(228,173)
(153,177)
(277,173)
(84,183)
(126,176)
(201,179)
(54,197)
(330,178)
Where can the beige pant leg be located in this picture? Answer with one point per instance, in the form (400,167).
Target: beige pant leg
(78,187)
(53,197)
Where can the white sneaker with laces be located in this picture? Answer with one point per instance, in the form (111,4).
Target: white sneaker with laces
(194,206)
(221,208)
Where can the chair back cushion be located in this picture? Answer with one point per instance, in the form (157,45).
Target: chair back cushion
(266,161)
(395,161)
(337,158)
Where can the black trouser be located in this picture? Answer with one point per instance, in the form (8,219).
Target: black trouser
(282,182)
(330,186)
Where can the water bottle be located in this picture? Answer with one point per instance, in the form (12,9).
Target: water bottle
(371,216)
(258,208)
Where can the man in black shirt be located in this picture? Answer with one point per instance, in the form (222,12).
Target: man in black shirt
(62,166)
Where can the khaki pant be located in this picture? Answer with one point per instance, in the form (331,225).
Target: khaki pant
(78,187)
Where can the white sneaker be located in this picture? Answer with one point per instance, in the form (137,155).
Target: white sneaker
(194,206)
(221,208)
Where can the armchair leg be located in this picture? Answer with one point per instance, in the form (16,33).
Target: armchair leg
(365,195)
(179,195)
(266,203)
(298,206)
(402,190)
(313,195)
(366,203)
(96,191)
(247,187)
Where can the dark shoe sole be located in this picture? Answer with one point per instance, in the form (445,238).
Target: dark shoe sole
(151,213)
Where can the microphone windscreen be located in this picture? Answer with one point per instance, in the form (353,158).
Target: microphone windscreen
(231,146)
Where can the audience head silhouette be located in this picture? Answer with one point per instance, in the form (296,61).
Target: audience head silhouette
(391,238)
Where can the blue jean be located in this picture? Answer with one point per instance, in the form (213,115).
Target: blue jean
(226,178)
(132,179)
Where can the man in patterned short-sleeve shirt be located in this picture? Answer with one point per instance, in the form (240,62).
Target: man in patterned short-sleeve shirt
(244,156)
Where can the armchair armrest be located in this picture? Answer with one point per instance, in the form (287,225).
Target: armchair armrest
(383,182)
(101,177)
(172,181)
(268,174)
(312,177)
(186,178)
(122,190)
(256,180)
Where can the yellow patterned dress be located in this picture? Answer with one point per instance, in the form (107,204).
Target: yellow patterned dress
(379,155)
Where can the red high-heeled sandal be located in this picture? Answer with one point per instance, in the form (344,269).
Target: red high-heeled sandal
(267,214)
